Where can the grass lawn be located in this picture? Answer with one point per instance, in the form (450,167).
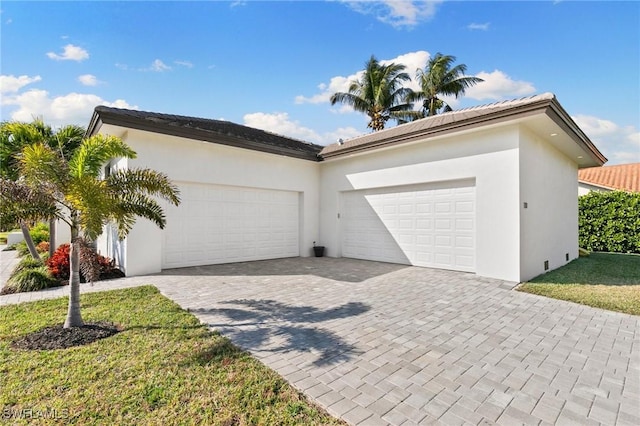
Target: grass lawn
(3,237)
(164,367)
(603,280)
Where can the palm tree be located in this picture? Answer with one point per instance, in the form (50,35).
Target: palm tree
(379,93)
(86,202)
(439,78)
(14,136)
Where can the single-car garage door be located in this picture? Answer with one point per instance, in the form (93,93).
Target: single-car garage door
(431,225)
(223,224)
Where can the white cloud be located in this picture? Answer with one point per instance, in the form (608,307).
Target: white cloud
(412,61)
(498,85)
(158,66)
(620,144)
(73,108)
(88,80)
(185,64)
(282,124)
(70,53)
(11,83)
(397,13)
(481,27)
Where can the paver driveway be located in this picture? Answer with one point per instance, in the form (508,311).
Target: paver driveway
(378,343)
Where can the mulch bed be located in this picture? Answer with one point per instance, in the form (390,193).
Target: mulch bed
(57,337)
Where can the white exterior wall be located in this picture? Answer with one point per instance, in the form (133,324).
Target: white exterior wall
(584,188)
(549,224)
(186,160)
(490,157)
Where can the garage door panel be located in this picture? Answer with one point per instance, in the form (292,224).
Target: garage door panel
(423,225)
(220,224)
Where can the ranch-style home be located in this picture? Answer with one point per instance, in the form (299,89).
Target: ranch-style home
(489,190)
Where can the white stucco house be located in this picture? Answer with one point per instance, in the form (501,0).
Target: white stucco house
(488,190)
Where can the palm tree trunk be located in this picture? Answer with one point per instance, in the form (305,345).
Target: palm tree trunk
(74,319)
(52,237)
(29,240)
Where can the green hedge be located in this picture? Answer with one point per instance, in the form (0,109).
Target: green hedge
(610,221)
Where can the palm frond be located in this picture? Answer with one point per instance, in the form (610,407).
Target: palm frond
(94,152)
(40,163)
(144,181)
(22,202)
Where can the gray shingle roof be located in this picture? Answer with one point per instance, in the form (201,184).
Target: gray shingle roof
(216,131)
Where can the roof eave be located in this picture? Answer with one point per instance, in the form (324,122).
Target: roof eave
(549,106)
(463,124)
(107,117)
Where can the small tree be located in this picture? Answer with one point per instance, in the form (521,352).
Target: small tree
(14,137)
(86,202)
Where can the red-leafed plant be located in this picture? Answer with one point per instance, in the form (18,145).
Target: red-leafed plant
(93,267)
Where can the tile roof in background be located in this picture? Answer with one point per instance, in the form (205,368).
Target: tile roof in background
(624,177)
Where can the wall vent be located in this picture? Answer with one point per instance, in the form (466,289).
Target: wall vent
(546,265)
(566,257)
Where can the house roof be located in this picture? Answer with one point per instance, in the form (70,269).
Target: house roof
(216,131)
(625,177)
(469,118)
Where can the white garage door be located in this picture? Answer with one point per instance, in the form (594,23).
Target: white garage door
(424,225)
(223,224)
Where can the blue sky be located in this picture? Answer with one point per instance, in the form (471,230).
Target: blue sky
(273,65)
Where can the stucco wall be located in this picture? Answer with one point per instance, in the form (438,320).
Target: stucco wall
(490,157)
(549,224)
(185,160)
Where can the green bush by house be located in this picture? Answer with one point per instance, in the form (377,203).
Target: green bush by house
(610,221)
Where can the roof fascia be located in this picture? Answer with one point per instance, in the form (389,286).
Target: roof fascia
(465,124)
(566,123)
(106,117)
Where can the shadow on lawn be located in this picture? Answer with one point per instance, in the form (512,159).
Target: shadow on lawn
(270,326)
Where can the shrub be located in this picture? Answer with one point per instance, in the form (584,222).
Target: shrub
(91,262)
(31,279)
(39,233)
(609,221)
(29,275)
(43,247)
(22,249)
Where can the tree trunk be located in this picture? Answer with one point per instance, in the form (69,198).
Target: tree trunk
(74,319)
(52,237)
(29,241)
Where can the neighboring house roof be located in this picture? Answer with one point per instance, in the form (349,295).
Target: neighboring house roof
(217,131)
(625,177)
(469,118)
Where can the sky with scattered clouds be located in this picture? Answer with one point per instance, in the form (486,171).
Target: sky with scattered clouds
(274,65)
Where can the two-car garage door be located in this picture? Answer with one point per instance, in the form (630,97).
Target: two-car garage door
(224,224)
(431,225)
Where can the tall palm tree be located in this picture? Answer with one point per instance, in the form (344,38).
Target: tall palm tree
(86,202)
(379,93)
(14,136)
(439,78)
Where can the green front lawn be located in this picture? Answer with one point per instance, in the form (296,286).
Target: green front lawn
(163,368)
(602,280)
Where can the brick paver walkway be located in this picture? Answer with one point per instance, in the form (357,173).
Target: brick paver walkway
(380,344)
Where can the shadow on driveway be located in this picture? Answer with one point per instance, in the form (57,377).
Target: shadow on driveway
(271,326)
(337,269)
